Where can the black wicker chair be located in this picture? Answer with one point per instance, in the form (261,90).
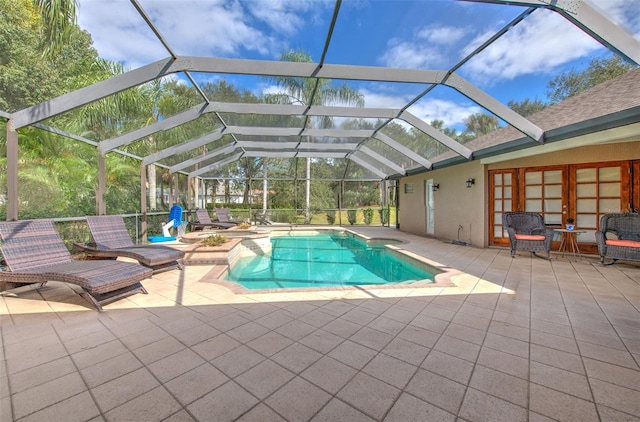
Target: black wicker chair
(619,237)
(527,232)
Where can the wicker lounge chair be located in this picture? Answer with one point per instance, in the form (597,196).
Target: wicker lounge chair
(205,222)
(619,237)
(263,217)
(223,216)
(112,240)
(34,252)
(527,232)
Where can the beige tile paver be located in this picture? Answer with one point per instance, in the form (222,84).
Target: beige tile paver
(226,403)
(298,400)
(337,410)
(369,395)
(516,339)
(329,374)
(196,383)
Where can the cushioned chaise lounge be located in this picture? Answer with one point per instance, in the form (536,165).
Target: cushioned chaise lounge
(111,240)
(205,222)
(527,232)
(34,252)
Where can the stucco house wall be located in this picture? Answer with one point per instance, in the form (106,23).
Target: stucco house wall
(456,205)
(587,154)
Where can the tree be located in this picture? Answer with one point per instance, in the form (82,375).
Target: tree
(58,21)
(527,107)
(311,91)
(480,124)
(26,77)
(574,82)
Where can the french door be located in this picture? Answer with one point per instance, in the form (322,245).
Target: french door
(582,191)
(502,198)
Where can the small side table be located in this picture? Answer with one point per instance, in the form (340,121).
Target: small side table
(569,242)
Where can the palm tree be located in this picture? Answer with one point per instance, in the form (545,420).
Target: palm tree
(58,19)
(311,91)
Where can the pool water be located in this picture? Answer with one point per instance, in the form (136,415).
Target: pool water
(323,260)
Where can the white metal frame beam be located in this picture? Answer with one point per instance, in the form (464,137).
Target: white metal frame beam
(184,147)
(216,165)
(168,66)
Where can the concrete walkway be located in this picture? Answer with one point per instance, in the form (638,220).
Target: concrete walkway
(515,340)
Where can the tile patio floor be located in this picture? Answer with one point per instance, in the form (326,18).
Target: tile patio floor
(516,340)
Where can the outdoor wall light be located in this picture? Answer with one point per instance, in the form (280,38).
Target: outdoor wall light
(470,182)
(435,187)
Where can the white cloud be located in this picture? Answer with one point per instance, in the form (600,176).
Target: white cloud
(408,54)
(198,28)
(442,35)
(207,28)
(281,15)
(539,44)
(430,47)
(119,33)
(427,109)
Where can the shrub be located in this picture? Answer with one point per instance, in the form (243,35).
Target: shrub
(351,216)
(384,215)
(214,240)
(368,215)
(331,216)
(289,216)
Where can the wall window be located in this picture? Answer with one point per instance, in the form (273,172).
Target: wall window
(408,188)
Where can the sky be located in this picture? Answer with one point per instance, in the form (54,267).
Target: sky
(424,34)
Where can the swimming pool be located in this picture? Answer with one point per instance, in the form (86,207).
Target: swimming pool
(333,259)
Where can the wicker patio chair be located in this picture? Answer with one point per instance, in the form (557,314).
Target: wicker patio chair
(205,222)
(34,252)
(618,237)
(527,232)
(112,240)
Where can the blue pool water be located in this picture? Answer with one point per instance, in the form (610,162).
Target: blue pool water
(323,260)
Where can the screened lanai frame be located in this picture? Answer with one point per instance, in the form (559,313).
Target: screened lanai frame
(378,153)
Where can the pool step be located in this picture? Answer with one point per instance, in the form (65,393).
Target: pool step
(198,254)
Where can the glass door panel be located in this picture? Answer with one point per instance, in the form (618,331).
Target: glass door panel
(599,190)
(501,201)
(544,193)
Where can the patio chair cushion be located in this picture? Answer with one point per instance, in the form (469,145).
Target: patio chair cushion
(626,243)
(529,237)
(527,232)
(618,236)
